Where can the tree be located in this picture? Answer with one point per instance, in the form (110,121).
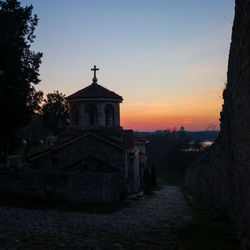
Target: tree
(34,100)
(19,69)
(55,112)
(153,177)
(33,134)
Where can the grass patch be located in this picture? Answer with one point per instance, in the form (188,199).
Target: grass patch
(207,231)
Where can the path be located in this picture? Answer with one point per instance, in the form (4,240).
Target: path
(144,224)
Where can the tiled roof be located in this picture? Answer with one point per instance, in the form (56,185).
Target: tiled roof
(94,91)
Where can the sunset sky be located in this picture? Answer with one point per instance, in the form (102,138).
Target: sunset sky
(168,59)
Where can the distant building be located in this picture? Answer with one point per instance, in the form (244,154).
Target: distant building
(182,129)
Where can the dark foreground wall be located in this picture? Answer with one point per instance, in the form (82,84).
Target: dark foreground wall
(223,175)
(87,187)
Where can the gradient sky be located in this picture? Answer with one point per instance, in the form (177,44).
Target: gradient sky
(168,59)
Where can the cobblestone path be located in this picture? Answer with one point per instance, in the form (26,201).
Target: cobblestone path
(144,224)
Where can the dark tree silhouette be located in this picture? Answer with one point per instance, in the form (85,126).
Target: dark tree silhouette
(147,184)
(55,112)
(19,69)
(153,176)
(34,100)
(166,153)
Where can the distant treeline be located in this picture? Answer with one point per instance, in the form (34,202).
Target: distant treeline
(205,135)
(167,151)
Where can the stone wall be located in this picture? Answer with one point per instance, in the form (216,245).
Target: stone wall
(135,172)
(79,108)
(72,153)
(223,175)
(80,188)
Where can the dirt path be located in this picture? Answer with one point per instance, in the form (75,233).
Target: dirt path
(144,224)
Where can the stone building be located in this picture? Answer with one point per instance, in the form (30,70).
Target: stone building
(105,160)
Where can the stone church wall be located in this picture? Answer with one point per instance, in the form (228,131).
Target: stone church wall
(83,117)
(134,174)
(223,175)
(73,153)
(80,188)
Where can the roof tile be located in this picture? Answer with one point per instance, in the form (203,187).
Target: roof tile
(94,91)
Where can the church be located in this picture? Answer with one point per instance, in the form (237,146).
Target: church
(104,161)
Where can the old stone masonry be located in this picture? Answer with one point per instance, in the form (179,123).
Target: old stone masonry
(145,224)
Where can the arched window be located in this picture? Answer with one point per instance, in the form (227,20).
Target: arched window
(109,115)
(91,112)
(74,115)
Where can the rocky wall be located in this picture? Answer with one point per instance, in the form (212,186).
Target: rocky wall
(223,174)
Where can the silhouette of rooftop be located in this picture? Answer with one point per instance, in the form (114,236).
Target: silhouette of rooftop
(94,90)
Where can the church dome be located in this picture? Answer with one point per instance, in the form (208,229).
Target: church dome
(94,107)
(95,91)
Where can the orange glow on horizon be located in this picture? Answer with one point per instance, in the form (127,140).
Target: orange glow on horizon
(195,113)
(169,122)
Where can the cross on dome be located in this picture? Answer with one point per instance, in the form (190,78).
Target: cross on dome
(94,78)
